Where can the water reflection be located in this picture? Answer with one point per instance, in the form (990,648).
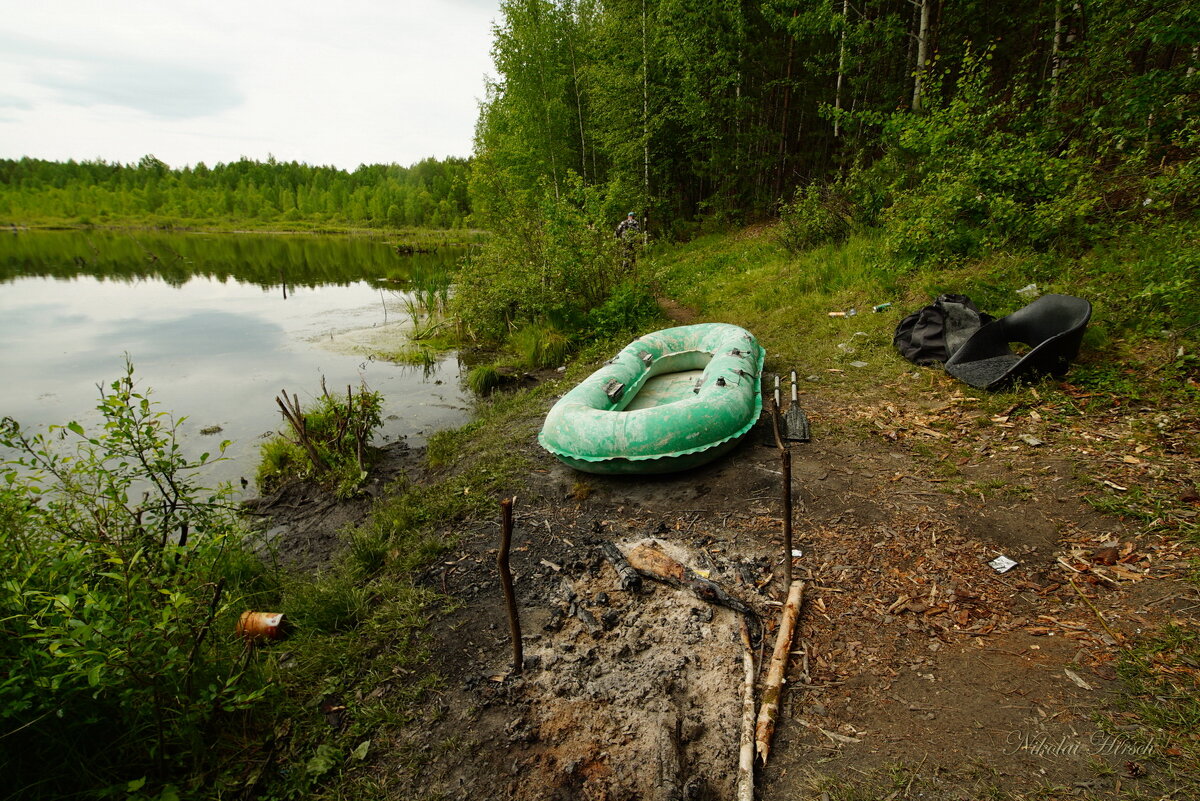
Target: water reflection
(213,336)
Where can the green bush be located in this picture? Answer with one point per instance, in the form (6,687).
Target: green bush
(817,215)
(329,442)
(121,580)
(968,176)
(551,257)
(483,379)
(626,312)
(541,344)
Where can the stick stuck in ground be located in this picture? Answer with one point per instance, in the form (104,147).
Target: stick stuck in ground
(510,597)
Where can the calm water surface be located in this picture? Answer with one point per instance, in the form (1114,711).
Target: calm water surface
(217,326)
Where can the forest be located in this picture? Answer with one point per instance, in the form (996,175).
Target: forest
(948,130)
(688,108)
(429,194)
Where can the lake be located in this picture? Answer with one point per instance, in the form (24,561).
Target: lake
(217,325)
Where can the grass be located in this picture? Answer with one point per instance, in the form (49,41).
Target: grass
(1159,714)
(359,642)
(483,378)
(405,235)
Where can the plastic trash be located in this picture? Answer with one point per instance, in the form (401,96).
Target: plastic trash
(1002,564)
(1029,291)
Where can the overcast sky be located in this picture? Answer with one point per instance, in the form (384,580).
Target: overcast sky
(342,82)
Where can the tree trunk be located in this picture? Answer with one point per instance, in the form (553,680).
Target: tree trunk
(837,98)
(1056,52)
(922,55)
(645,131)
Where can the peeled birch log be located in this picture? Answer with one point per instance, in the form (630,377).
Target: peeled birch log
(773,688)
(745,785)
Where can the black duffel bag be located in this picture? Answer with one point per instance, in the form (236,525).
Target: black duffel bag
(930,336)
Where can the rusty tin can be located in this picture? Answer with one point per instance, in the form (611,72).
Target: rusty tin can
(260,625)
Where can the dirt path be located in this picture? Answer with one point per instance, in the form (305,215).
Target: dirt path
(912,651)
(676,311)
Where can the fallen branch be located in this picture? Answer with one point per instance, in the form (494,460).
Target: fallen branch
(745,785)
(773,688)
(652,563)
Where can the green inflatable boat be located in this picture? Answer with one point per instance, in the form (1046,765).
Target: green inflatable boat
(671,400)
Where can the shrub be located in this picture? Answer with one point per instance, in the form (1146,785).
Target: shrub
(483,379)
(817,215)
(628,309)
(118,572)
(541,344)
(552,256)
(329,441)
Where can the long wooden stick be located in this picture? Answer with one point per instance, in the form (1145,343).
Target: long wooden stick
(745,785)
(785,457)
(510,598)
(773,688)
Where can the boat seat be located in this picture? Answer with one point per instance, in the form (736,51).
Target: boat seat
(1052,325)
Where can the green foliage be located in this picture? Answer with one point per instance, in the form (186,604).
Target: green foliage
(551,258)
(624,314)
(429,194)
(816,216)
(329,442)
(540,345)
(483,379)
(122,578)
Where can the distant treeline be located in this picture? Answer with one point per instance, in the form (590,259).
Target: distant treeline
(429,194)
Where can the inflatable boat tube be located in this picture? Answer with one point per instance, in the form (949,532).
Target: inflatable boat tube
(669,401)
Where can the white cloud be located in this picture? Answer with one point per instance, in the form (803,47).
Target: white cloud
(355,82)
